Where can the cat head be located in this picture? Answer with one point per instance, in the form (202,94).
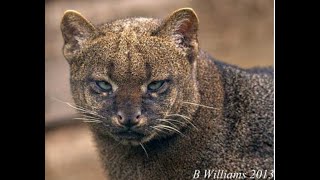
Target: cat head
(135,78)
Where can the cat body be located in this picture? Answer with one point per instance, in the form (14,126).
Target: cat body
(164,108)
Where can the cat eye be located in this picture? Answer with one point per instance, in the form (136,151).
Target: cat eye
(155,85)
(104,86)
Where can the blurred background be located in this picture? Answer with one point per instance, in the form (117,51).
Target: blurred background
(235,31)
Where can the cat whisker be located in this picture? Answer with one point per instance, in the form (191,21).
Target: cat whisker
(92,115)
(158,129)
(174,121)
(163,128)
(144,149)
(92,121)
(89,111)
(89,116)
(69,104)
(83,110)
(168,121)
(170,128)
(201,105)
(89,120)
(186,118)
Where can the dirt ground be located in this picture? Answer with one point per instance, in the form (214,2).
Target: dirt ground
(239,32)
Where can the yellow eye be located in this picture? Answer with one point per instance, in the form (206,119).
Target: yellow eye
(104,86)
(155,85)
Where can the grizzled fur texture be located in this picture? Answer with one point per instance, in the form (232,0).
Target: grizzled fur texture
(202,113)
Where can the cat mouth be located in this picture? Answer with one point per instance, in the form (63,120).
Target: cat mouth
(130,135)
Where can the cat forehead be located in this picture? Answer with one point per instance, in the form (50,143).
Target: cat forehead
(139,25)
(127,51)
(130,57)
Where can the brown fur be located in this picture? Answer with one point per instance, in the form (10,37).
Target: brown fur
(234,134)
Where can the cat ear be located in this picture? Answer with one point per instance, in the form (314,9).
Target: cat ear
(182,27)
(75,31)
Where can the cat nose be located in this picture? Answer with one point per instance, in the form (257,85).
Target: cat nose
(129,120)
